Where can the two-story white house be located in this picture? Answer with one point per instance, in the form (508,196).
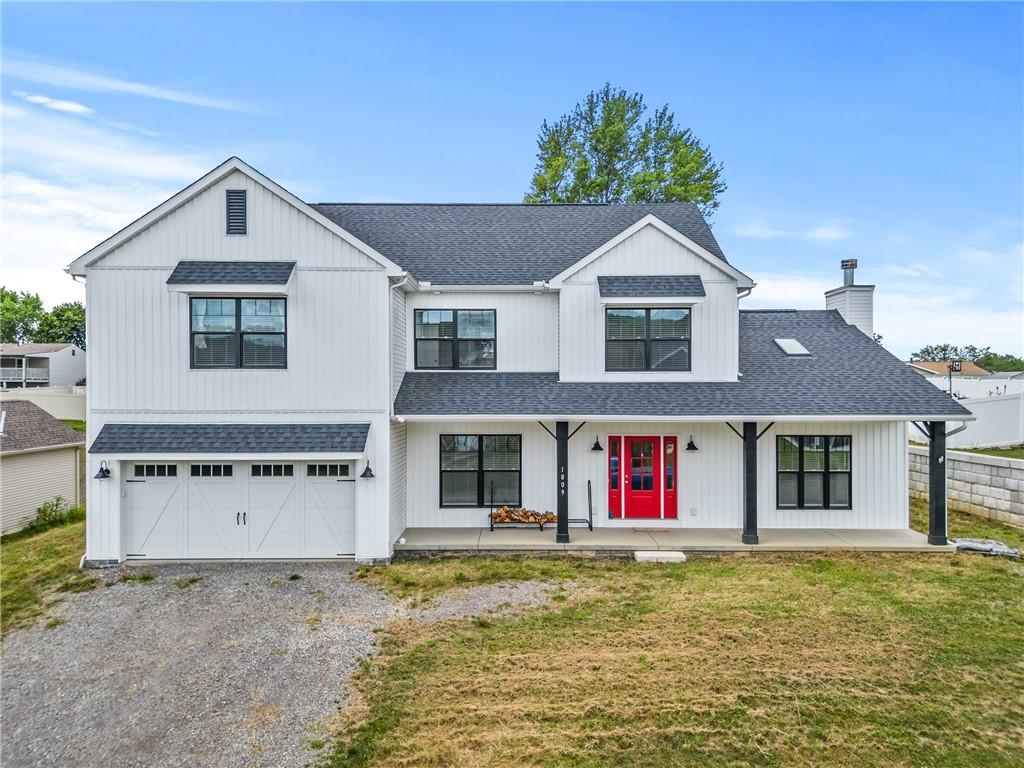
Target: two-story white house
(275,379)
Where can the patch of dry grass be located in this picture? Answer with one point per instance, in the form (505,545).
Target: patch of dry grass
(869,660)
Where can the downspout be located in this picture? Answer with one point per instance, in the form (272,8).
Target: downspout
(391,340)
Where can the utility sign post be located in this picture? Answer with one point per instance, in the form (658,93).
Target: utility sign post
(954,367)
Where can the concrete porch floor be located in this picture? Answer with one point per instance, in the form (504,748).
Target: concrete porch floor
(708,540)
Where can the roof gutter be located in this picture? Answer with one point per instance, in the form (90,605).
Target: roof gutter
(410,417)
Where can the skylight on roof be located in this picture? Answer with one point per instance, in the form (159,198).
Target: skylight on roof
(792,347)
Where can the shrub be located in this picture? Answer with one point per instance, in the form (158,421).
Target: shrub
(52,514)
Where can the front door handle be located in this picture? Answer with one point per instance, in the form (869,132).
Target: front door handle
(237,515)
(243,519)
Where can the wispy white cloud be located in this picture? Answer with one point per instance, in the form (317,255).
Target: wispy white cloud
(58,105)
(72,76)
(822,233)
(912,270)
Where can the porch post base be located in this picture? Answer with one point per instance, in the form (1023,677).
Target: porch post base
(939,541)
(749,538)
(561,538)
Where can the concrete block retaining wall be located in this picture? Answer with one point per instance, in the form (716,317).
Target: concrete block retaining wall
(987,486)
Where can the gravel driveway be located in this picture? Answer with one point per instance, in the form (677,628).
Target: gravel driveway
(233,669)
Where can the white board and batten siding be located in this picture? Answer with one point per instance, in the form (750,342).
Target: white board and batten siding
(399,482)
(526,325)
(29,480)
(399,336)
(714,322)
(338,320)
(710,490)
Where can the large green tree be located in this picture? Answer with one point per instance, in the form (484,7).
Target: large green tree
(606,151)
(19,316)
(65,323)
(24,320)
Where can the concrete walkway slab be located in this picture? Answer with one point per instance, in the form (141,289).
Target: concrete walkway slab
(707,540)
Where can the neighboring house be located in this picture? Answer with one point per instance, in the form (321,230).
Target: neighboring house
(38,462)
(41,365)
(941,368)
(271,378)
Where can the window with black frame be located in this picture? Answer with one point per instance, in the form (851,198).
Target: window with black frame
(480,470)
(813,471)
(647,339)
(238,333)
(455,338)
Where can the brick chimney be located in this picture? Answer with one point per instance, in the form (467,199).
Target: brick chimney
(856,303)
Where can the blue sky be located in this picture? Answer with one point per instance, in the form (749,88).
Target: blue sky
(893,133)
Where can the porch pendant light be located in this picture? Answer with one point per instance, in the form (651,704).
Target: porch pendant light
(367,473)
(597,447)
(692,446)
(104,472)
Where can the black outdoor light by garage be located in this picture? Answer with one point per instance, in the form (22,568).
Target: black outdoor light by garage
(367,473)
(597,447)
(104,472)
(692,446)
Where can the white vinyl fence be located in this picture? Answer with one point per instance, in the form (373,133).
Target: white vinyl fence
(59,402)
(1000,422)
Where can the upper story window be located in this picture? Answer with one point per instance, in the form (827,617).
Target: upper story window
(813,471)
(238,333)
(236,212)
(647,339)
(455,338)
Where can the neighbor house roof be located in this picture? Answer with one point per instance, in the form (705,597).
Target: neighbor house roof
(846,374)
(501,244)
(30,349)
(27,427)
(232,272)
(231,438)
(967,368)
(625,286)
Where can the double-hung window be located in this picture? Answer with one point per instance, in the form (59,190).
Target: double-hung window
(455,338)
(813,471)
(481,470)
(238,333)
(647,339)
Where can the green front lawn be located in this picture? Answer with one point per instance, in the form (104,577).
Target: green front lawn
(1014,452)
(76,424)
(36,568)
(853,660)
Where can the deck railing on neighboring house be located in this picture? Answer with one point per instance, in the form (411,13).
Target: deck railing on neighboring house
(24,374)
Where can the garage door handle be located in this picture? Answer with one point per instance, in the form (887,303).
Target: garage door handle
(237,515)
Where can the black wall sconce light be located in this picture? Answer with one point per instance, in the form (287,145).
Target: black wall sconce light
(104,472)
(597,447)
(367,473)
(692,446)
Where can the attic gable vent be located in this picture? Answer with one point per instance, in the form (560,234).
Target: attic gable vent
(792,347)
(236,214)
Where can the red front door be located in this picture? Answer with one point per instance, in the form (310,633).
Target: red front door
(641,477)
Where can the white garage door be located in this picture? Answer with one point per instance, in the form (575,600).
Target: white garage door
(240,510)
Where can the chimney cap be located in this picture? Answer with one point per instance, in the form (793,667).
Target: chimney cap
(848,264)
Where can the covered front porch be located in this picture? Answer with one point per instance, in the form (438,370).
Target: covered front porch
(690,540)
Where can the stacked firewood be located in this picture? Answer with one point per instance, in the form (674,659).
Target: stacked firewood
(515,515)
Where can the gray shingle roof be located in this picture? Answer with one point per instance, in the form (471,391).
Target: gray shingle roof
(846,374)
(231,438)
(468,244)
(28,427)
(16,350)
(236,272)
(612,286)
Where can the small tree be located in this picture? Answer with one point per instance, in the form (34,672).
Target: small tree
(65,323)
(605,152)
(19,316)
